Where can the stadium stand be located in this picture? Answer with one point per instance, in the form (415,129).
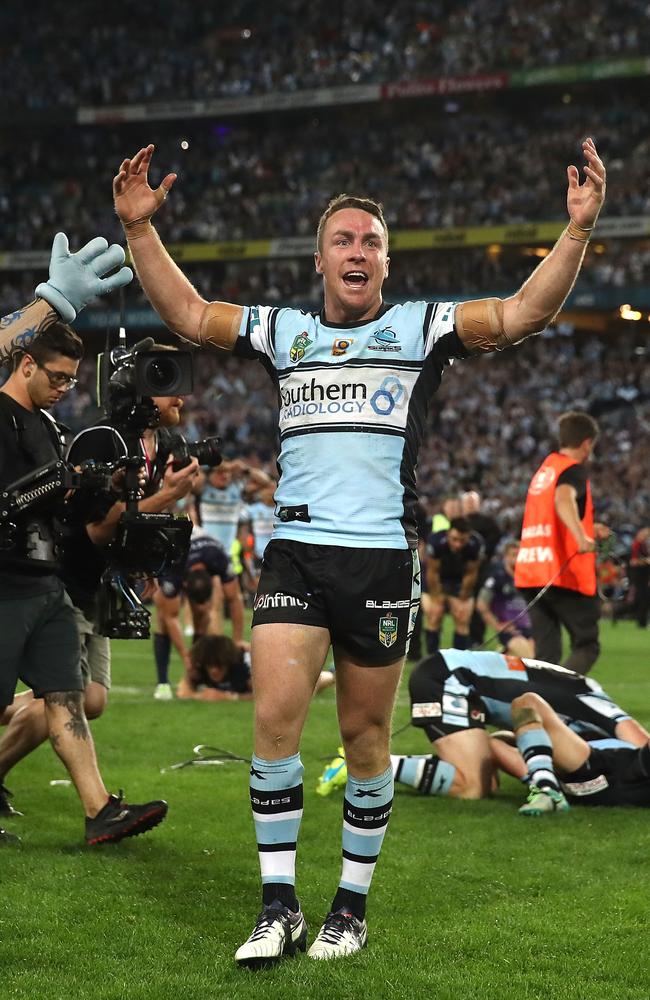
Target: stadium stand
(462,167)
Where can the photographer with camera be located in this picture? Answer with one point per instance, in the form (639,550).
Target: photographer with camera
(40,639)
(90,520)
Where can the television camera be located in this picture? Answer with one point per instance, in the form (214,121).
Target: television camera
(145,544)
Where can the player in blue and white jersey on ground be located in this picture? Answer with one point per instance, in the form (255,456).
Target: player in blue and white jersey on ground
(354,384)
(455,694)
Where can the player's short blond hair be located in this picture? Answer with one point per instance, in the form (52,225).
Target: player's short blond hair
(350,201)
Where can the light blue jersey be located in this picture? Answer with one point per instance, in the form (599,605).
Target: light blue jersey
(221,510)
(353,408)
(496,679)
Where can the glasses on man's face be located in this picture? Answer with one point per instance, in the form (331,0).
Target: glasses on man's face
(58,380)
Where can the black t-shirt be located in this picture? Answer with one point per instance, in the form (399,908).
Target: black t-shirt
(28,440)
(238,678)
(576,476)
(488,529)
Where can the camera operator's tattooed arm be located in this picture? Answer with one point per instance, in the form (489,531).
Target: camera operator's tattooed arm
(75,279)
(18,329)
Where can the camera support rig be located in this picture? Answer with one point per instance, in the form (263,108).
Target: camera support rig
(145,544)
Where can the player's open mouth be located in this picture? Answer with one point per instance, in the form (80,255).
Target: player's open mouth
(355,279)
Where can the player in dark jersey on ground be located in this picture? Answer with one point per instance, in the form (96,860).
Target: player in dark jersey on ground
(453,561)
(206,580)
(220,671)
(354,384)
(455,694)
(504,609)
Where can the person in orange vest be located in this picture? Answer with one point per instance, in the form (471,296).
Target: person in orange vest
(558,542)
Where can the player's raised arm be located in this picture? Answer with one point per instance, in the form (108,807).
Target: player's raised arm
(177,302)
(494,324)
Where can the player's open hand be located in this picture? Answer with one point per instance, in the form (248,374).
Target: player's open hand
(133,196)
(584,201)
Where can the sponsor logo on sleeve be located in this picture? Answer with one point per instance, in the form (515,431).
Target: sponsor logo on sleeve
(426,710)
(388,631)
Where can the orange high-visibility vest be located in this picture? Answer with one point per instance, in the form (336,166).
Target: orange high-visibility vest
(546,543)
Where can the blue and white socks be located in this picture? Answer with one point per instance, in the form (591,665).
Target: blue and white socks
(276,799)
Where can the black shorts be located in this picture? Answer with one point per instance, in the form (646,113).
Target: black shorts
(514,633)
(367,598)
(40,645)
(610,777)
(171,584)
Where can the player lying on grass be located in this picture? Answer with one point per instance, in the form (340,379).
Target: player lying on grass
(456,693)
(561,767)
(219,670)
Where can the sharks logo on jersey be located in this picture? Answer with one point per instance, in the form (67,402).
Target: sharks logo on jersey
(385,340)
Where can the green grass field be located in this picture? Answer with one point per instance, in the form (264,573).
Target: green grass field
(470,900)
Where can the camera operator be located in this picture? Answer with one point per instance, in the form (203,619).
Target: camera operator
(40,639)
(89,523)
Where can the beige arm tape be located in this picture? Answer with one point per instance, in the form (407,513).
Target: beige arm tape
(219,326)
(479,325)
(525,717)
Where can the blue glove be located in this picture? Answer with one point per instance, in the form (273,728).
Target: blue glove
(76,278)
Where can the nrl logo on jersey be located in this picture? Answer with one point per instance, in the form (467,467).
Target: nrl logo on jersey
(388,631)
(299,346)
(385,340)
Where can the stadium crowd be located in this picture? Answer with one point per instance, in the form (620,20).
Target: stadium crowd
(487,433)
(245,48)
(258,178)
